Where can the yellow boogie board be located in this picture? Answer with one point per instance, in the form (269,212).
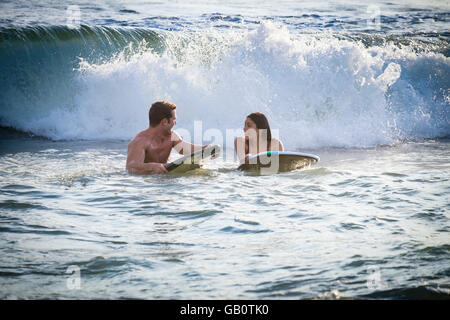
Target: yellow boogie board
(192,161)
(278,161)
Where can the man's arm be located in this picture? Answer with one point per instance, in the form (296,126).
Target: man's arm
(136,157)
(183,147)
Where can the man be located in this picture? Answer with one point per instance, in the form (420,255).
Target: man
(150,149)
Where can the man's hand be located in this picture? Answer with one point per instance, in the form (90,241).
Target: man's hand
(215,152)
(158,168)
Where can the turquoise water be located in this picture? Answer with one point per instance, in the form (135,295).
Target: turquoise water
(369,221)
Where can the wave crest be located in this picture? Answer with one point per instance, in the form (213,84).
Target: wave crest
(317,89)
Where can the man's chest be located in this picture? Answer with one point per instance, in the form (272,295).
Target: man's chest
(158,151)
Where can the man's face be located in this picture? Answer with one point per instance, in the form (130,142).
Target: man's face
(173,119)
(169,124)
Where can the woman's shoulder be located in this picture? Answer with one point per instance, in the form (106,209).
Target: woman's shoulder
(276,140)
(276,145)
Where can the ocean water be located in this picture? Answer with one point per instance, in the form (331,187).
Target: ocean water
(365,86)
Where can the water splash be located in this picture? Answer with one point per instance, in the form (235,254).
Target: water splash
(318,90)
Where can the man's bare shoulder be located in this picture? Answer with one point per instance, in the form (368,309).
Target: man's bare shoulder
(175,136)
(140,139)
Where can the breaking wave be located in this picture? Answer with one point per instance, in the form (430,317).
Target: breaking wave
(318,90)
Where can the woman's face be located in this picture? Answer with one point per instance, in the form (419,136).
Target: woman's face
(249,126)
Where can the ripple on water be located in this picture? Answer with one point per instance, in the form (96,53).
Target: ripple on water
(15,205)
(185,215)
(343,183)
(425,292)
(441,250)
(254,223)
(358,261)
(279,285)
(34,230)
(235,230)
(162,243)
(108,267)
(432,215)
(17,187)
(394,174)
(22,192)
(351,226)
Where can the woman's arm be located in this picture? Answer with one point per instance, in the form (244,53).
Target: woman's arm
(240,148)
(276,145)
(280,146)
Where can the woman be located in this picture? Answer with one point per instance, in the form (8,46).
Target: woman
(257,137)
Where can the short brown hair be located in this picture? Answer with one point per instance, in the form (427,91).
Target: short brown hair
(160,110)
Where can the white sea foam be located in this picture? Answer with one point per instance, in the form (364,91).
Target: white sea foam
(317,90)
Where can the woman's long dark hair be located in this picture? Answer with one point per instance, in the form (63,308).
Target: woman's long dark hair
(261,123)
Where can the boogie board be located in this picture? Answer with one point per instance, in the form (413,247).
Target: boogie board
(278,161)
(193,161)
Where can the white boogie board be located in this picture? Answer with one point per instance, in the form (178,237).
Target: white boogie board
(278,161)
(193,161)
